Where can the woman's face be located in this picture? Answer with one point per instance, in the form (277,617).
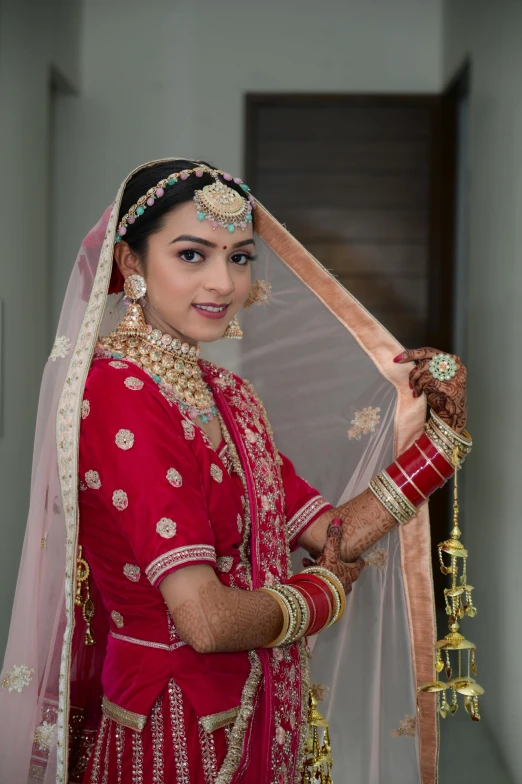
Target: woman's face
(197,277)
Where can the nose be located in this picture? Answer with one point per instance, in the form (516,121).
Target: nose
(218,277)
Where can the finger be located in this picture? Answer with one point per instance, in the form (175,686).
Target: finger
(356,568)
(415,354)
(333,539)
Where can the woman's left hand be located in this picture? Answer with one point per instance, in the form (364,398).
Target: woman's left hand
(446,398)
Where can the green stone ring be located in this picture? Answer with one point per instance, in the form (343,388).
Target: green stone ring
(443,367)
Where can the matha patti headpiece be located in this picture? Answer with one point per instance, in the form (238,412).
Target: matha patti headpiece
(218,203)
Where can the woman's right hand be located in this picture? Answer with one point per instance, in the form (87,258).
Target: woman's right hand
(330,558)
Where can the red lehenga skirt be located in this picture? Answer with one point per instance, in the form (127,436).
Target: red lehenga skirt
(173,748)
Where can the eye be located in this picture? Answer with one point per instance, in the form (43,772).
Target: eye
(241,258)
(190,255)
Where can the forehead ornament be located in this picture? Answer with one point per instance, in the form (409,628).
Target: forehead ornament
(218,203)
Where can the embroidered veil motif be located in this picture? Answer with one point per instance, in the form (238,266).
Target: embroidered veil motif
(174,477)
(92,480)
(86,409)
(44,735)
(364,422)
(17,678)
(124,439)
(407,727)
(132,572)
(133,383)
(120,500)
(378,557)
(62,346)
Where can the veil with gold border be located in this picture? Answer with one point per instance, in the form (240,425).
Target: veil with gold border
(340,409)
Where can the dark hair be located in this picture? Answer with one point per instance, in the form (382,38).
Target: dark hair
(152,219)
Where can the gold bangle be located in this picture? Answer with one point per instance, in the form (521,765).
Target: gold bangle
(396,491)
(387,501)
(311,620)
(452,434)
(304,619)
(286,617)
(403,512)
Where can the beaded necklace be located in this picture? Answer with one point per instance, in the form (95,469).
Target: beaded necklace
(172,364)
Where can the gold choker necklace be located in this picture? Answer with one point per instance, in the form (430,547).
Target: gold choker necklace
(170,362)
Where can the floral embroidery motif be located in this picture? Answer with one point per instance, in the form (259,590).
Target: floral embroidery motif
(117,618)
(17,678)
(120,500)
(124,439)
(378,557)
(132,572)
(166,528)
(133,383)
(216,473)
(224,563)
(364,422)
(407,728)
(82,486)
(280,735)
(62,346)
(44,735)
(179,557)
(86,409)
(174,477)
(189,429)
(92,480)
(118,365)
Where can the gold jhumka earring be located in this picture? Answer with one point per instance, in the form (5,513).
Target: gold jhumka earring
(83,595)
(460,680)
(233,331)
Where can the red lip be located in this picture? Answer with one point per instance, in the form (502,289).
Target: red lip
(207,313)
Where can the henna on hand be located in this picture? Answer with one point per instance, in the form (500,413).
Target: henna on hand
(227,619)
(446,398)
(364,519)
(330,558)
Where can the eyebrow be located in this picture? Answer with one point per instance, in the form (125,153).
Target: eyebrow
(201,241)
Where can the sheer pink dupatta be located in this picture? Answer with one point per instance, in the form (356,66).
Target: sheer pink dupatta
(317,358)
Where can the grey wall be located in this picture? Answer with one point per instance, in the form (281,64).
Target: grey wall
(491,35)
(34,38)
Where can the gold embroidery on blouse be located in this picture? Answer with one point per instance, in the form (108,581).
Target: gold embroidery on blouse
(133,383)
(364,422)
(92,480)
(134,721)
(216,473)
(118,365)
(120,500)
(178,557)
(86,409)
(215,721)
(407,728)
(132,572)
(117,618)
(124,439)
(174,477)
(224,563)
(166,528)
(188,429)
(303,516)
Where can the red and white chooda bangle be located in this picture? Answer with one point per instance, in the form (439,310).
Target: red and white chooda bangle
(409,481)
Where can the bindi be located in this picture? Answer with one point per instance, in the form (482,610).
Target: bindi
(224,247)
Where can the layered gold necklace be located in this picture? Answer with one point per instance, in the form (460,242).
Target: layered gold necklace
(170,362)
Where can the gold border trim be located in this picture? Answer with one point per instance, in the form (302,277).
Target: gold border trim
(134,721)
(215,721)
(303,516)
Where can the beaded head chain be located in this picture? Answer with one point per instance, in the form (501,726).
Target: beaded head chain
(218,203)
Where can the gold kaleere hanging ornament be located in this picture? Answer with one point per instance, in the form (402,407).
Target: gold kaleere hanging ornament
(454,654)
(318,760)
(83,595)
